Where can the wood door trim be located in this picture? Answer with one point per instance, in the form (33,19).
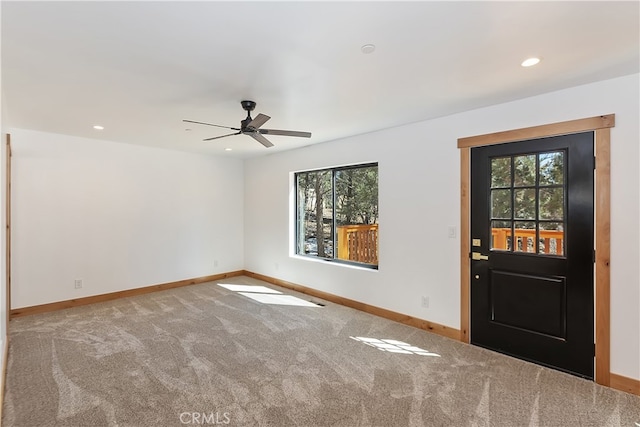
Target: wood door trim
(562,128)
(603,252)
(465,243)
(601,126)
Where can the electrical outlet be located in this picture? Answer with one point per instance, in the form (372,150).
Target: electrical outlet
(276,266)
(78,283)
(215,262)
(425,302)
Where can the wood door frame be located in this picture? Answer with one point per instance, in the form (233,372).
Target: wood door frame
(601,126)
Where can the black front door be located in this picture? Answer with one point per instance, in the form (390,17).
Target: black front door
(532,250)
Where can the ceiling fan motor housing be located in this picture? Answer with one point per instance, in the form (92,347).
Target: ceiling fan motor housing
(244,123)
(248,106)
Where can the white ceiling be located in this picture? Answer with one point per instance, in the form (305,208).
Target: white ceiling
(139,68)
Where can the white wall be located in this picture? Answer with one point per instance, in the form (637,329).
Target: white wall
(3,234)
(419,199)
(117,216)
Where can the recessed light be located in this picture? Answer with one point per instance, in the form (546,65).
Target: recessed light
(98,127)
(368,48)
(228,149)
(187,130)
(530,62)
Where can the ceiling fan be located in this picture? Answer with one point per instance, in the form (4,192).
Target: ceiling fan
(252,128)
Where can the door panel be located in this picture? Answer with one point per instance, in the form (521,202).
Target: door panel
(532,238)
(530,302)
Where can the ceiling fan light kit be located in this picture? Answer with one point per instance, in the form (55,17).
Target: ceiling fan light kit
(252,127)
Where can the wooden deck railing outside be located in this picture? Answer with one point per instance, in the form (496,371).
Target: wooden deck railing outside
(552,240)
(358,243)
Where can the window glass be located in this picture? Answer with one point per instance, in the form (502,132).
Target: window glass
(551,238)
(501,235)
(551,202)
(501,204)
(524,170)
(501,172)
(552,168)
(525,240)
(337,214)
(524,203)
(315,204)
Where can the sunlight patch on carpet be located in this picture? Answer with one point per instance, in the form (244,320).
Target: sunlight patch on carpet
(249,288)
(278,299)
(394,346)
(265,295)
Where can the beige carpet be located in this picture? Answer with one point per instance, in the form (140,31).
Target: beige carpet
(207,355)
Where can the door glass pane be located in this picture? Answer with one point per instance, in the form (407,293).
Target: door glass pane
(524,170)
(525,236)
(551,203)
(552,168)
(501,235)
(524,203)
(501,172)
(551,238)
(501,204)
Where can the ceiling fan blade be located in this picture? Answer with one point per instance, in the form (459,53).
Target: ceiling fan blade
(261,139)
(258,121)
(209,124)
(223,136)
(285,133)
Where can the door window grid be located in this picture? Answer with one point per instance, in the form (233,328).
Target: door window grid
(528,202)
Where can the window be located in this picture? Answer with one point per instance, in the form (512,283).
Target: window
(528,203)
(337,214)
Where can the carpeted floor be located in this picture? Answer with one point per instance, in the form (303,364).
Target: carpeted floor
(207,355)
